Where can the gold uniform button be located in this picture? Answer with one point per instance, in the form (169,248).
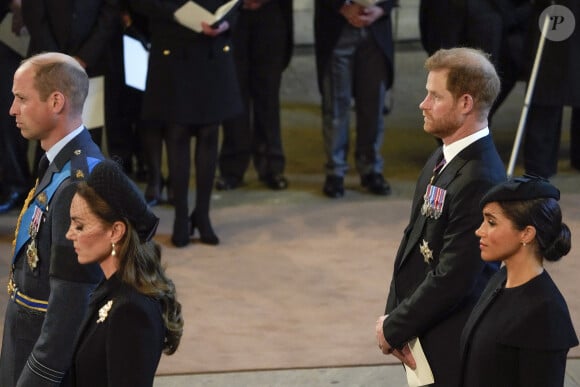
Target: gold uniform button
(166,52)
(226,48)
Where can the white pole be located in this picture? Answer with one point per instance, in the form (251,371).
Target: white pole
(528,97)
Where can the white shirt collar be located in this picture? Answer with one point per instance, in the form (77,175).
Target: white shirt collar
(452,150)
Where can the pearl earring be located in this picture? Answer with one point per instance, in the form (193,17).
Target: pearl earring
(524,244)
(113,252)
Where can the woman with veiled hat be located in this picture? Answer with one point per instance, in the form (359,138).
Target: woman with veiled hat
(520,331)
(133,314)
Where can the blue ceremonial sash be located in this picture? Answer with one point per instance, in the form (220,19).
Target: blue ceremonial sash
(57,178)
(23,231)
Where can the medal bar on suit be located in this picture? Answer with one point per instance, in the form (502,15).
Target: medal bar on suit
(433,201)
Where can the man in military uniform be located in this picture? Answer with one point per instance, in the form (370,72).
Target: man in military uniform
(48,288)
(438,273)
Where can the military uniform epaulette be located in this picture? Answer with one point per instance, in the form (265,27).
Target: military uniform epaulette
(81,165)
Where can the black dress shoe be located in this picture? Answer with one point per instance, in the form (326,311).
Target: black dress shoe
(227,183)
(334,186)
(275,182)
(14,201)
(206,233)
(376,183)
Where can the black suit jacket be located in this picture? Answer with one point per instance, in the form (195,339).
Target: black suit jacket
(431,300)
(81,28)
(46,340)
(328,25)
(120,344)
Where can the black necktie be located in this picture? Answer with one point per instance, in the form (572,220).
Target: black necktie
(42,166)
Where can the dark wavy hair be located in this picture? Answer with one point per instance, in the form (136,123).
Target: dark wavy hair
(553,236)
(140,267)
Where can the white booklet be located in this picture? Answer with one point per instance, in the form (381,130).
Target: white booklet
(18,43)
(191,14)
(136,62)
(422,374)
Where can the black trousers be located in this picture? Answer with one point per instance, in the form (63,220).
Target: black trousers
(259,42)
(542,140)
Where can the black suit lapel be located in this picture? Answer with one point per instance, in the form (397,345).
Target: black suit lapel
(417,219)
(442,180)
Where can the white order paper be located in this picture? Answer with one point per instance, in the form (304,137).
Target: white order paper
(422,374)
(18,43)
(136,62)
(191,14)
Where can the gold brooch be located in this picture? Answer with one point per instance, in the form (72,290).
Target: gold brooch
(426,251)
(104,311)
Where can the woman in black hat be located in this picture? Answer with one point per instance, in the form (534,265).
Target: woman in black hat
(520,331)
(133,314)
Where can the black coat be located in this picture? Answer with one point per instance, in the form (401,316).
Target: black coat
(441,24)
(518,336)
(432,300)
(328,25)
(120,343)
(80,28)
(192,77)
